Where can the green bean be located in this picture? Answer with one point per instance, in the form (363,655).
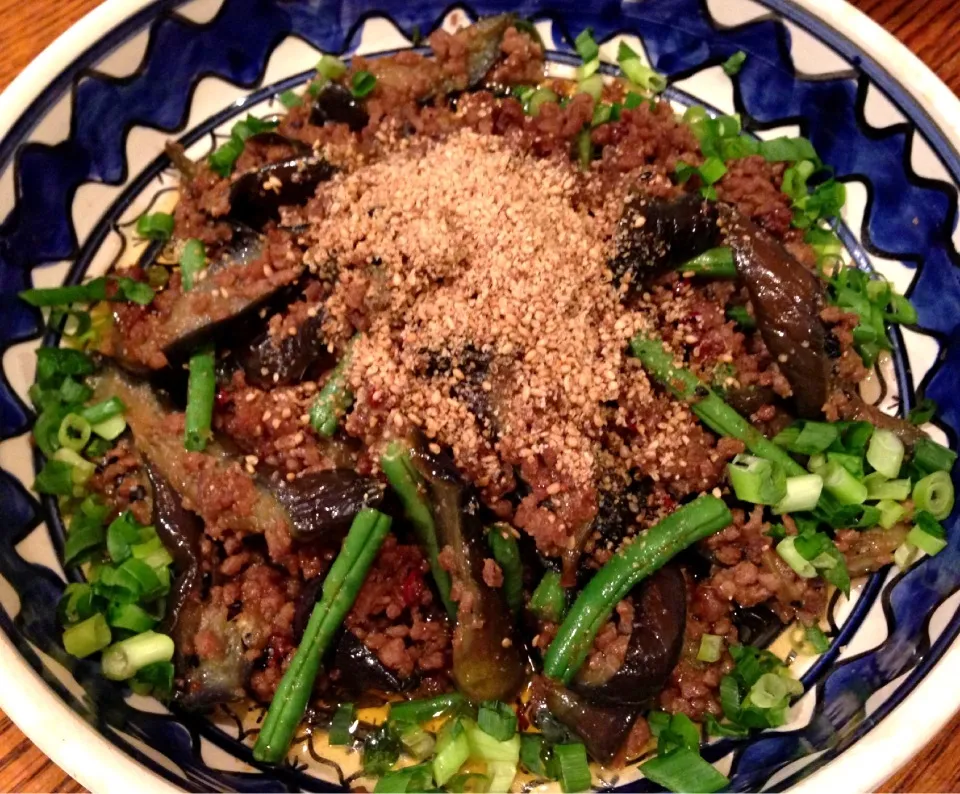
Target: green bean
(340,590)
(646,554)
(506,553)
(405,480)
(193,259)
(334,399)
(417,711)
(706,404)
(201,390)
(715,263)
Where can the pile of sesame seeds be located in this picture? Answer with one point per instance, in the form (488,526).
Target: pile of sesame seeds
(490,321)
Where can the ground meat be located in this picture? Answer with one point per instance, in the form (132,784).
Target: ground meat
(492,573)
(848,366)
(394,613)
(122,483)
(523,61)
(610,646)
(753,185)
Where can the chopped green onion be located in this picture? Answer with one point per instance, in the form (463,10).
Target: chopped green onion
(74,432)
(927,535)
(497,719)
(110,429)
(362,84)
(130,617)
(734,63)
(574,769)
(592,85)
(684,770)
(549,600)
(95,290)
(757,480)
(890,513)
(787,550)
(586,46)
(538,99)
(904,555)
(193,259)
(885,453)
(83,469)
(501,775)
(742,317)
(87,637)
(803,493)
(331,67)
(810,438)
(123,659)
(290,99)
(102,411)
(879,487)
(929,456)
(712,170)
(789,150)
(416,741)
(469,783)
(816,638)
(381,749)
(155,679)
(934,493)
(535,754)
(76,604)
(453,750)
(155,226)
(54,479)
(711,648)
(842,485)
(417,778)
(852,463)
(223,159)
(922,412)
(772,689)
(122,533)
(638,72)
(201,394)
(587,69)
(484,747)
(714,262)
(343,725)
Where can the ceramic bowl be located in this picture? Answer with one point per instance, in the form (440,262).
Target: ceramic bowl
(81,157)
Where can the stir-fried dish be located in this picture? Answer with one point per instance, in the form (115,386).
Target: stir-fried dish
(519,410)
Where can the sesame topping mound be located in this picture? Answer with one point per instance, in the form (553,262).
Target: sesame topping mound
(489,319)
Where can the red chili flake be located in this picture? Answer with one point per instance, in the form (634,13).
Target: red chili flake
(412,588)
(223,398)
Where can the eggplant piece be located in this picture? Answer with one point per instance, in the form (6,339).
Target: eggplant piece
(487,662)
(787,299)
(757,625)
(603,729)
(656,234)
(269,362)
(748,400)
(322,505)
(852,407)
(483,39)
(220,678)
(361,670)
(660,615)
(180,530)
(335,104)
(257,196)
(192,474)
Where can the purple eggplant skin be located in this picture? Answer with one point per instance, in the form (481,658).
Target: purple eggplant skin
(257,196)
(180,531)
(335,104)
(361,671)
(268,363)
(603,729)
(787,299)
(487,661)
(322,505)
(655,234)
(660,614)
(757,625)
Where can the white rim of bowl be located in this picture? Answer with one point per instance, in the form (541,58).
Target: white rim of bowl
(862,767)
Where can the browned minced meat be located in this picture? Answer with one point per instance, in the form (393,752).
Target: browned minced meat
(849,366)
(122,482)
(610,645)
(394,615)
(492,573)
(869,550)
(753,185)
(753,572)
(523,62)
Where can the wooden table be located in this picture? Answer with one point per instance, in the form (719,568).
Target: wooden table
(924,25)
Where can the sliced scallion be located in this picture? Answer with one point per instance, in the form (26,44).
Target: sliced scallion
(934,493)
(757,480)
(803,493)
(638,72)
(842,485)
(711,648)
(787,550)
(110,429)
(904,555)
(453,750)
(74,432)
(684,770)
(155,226)
(592,85)
(497,719)
(885,453)
(890,512)
(879,487)
(343,725)
(571,760)
(929,456)
(927,535)
(331,67)
(123,659)
(87,637)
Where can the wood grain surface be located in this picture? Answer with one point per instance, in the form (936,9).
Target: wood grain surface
(931,28)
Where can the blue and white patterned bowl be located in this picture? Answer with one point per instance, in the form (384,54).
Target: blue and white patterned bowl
(81,156)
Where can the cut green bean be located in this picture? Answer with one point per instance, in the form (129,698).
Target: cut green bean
(418,711)
(713,263)
(201,390)
(705,403)
(506,553)
(334,399)
(193,259)
(695,521)
(340,590)
(405,480)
